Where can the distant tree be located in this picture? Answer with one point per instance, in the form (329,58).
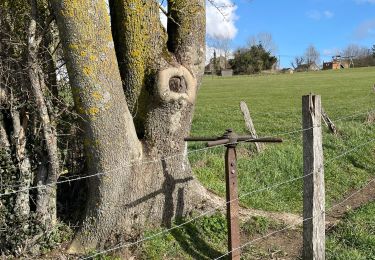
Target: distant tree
(215,66)
(252,60)
(355,51)
(361,56)
(298,61)
(265,39)
(312,55)
(222,47)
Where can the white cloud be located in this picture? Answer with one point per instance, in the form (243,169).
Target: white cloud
(221,23)
(318,15)
(220,19)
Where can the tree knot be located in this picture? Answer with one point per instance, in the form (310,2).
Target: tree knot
(175,83)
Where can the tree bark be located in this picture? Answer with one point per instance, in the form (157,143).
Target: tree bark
(4,138)
(46,204)
(143,181)
(21,207)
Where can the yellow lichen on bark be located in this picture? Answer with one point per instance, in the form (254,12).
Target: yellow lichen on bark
(93,111)
(138,33)
(97,96)
(92,52)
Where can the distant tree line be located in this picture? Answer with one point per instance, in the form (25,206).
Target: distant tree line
(361,56)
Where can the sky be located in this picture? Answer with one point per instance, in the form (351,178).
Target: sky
(329,25)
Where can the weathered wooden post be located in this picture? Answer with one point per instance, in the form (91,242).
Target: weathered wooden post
(313,185)
(329,123)
(230,139)
(250,125)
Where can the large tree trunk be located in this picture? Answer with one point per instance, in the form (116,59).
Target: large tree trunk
(139,181)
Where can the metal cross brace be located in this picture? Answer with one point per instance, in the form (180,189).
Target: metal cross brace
(230,139)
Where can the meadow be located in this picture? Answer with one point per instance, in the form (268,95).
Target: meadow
(275,106)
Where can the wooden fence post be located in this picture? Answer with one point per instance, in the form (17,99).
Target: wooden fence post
(313,185)
(329,123)
(249,125)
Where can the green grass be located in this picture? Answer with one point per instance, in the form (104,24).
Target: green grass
(201,239)
(275,105)
(354,237)
(205,238)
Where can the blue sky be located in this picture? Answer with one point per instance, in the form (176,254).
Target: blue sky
(330,25)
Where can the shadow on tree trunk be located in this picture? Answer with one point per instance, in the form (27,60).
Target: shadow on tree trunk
(168,188)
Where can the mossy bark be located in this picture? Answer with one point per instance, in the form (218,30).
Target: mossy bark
(146,178)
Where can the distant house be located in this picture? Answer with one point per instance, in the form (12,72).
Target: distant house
(221,64)
(307,67)
(287,70)
(226,73)
(337,63)
(327,65)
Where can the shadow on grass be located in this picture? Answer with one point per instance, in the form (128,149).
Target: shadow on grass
(190,240)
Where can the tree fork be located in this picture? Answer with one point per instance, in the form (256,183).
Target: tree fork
(129,192)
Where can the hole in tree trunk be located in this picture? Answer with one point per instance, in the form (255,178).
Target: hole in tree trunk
(177,84)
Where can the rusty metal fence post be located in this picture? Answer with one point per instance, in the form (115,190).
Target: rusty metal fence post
(230,139)
(231,181)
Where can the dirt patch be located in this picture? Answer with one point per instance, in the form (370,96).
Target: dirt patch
(370,118)
(353,200)
(282,245)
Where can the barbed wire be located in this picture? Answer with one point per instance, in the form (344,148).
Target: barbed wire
(207,212)
(355,115)
(298,223)
(221,206)
(168,157)
(133,163)
(192,219)
(137,162)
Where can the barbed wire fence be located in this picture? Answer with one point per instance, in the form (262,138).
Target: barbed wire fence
(270,187)
(299,223)
(121,246)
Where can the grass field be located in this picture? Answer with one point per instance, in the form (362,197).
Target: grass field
(275,105)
